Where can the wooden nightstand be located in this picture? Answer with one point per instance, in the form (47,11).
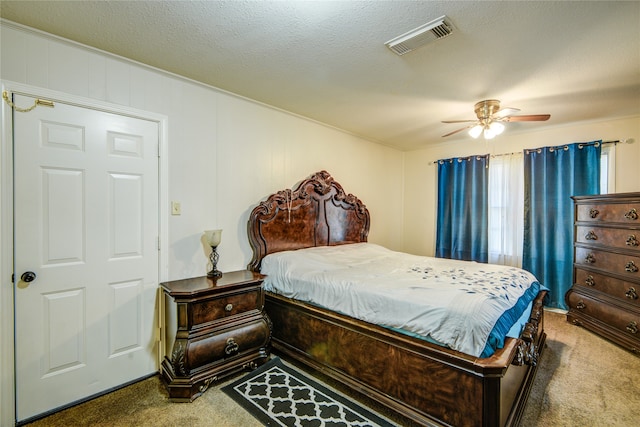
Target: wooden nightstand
(212,328)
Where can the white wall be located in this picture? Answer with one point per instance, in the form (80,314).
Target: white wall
(225,154)
(421,189)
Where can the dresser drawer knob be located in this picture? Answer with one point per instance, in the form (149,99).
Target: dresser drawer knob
(632,241)
(593,212)
(631,267)
(631,293)
(581,305)
(632,214)
(589,281)
(632,327)
(228,307)
(590,259)
(591,236)
(231,347)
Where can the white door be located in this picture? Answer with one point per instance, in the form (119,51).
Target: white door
(86,224)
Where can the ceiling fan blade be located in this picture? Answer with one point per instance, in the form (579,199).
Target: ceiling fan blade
(505,112)
(459,121)
(458,130)
(529,118)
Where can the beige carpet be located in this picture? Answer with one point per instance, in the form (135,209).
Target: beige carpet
(583,380)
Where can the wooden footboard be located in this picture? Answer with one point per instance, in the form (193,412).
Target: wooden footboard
(424,382)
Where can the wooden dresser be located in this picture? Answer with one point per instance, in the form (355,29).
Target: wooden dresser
(606,274)
(212,328)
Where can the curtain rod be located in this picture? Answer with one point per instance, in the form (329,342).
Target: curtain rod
(615,141)
(566,146)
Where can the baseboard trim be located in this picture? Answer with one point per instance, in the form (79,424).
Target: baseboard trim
(555,310)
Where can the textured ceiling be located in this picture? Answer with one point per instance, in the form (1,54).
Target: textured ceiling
(326,60)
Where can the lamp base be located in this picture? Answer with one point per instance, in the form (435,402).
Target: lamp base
(214,274)
(213,257)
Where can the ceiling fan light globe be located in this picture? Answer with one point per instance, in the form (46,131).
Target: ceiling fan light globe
(475,131)
(488,133)
(497,128)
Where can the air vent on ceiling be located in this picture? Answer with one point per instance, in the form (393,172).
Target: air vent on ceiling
(422,35)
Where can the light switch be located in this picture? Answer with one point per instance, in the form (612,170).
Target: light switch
(175,208)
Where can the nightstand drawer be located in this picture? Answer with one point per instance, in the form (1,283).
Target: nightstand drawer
(219,308)
(217,347)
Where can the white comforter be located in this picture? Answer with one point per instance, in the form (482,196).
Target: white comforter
(456,303)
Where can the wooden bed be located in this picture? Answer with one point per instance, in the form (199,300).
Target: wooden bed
(427,383)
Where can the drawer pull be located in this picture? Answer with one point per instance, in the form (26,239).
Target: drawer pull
(228,307)
(590,259)
(632,241)
(231,347)
(593,212)
(631,293)
(589,281)
(591,236)
(632,327)
(632,214)
(581,305)
(631,267)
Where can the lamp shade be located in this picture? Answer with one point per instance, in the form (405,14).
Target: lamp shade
(213,237)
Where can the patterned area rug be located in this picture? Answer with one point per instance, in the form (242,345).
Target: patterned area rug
(278,395)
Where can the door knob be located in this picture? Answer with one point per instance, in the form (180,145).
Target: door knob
(28,276)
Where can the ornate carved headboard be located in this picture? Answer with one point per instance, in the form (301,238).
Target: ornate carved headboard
(316,213)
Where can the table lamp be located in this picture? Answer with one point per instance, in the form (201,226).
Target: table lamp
(213,239)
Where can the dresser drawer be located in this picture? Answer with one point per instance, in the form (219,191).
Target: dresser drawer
(612,237)
(625,321)
(627,213)
(625,265)
(627,291)
(218,308)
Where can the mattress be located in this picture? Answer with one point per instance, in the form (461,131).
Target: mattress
(466,306)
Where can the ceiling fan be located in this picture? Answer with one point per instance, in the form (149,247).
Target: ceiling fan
(490,118)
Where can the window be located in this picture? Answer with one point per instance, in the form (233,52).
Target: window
(608,169)
(506,203)
(506,209)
